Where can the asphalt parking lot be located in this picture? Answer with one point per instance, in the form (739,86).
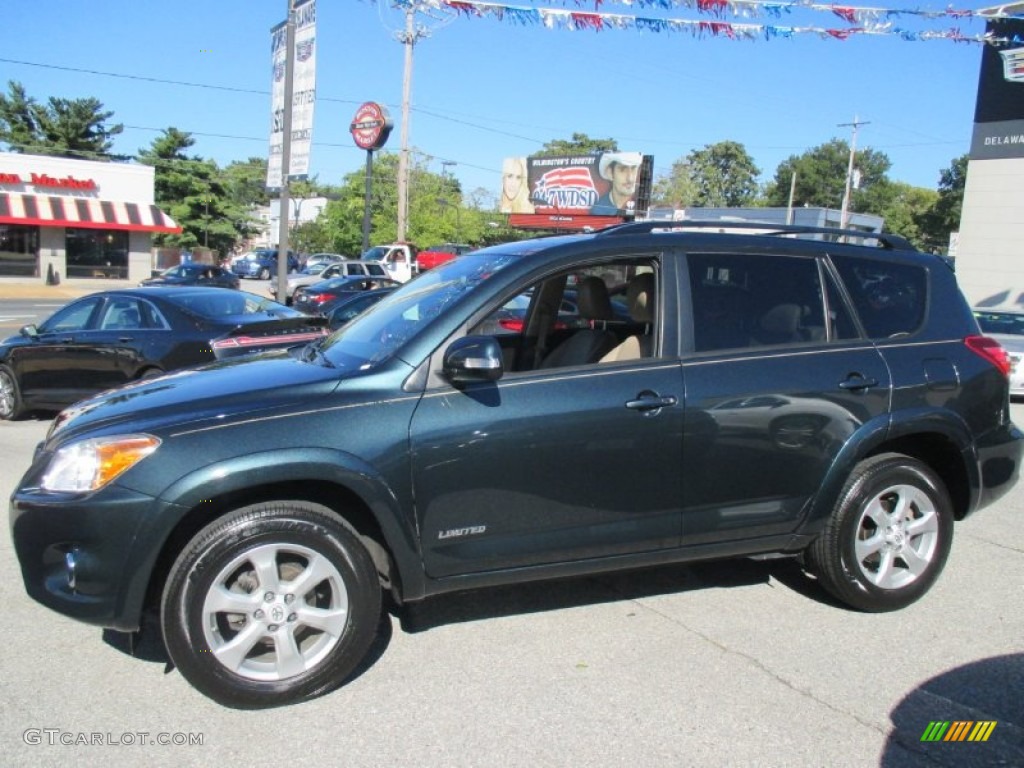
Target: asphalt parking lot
(728,664)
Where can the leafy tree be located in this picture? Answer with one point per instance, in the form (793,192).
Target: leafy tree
(437,211)
(196,195)
(579,144)
(246,181)
(724,174)
(944,216)
(676,188)
(904,208)
(61,127)
(821,177)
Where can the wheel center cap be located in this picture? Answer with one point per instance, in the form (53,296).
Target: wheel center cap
(895,537)
(276,613)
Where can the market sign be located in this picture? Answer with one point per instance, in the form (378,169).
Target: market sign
(371,126)
(49,182)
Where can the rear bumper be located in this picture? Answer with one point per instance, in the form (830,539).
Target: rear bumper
(999,457)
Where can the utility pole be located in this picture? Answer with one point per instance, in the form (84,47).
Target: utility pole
(844,212)
(408,39)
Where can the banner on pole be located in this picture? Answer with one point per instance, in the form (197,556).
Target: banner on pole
(303,94)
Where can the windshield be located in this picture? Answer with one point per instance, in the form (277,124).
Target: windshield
(374,336)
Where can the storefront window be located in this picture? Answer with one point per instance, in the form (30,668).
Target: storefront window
(19,251)
(97,253)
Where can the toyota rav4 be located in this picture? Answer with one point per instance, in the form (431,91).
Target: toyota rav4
(774,394)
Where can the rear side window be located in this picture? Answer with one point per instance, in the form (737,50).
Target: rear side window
(890,298)
(743,300)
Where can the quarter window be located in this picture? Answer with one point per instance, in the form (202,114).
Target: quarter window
(890,298)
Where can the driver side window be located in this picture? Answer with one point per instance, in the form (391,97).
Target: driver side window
(589,315)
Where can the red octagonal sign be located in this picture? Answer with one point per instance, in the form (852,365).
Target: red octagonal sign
(371,126)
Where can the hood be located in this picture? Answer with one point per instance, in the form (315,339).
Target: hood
(216,390)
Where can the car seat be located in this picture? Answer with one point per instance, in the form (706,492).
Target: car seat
(640,295)
(587,345)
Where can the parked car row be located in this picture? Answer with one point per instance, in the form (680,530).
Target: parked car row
(324,270)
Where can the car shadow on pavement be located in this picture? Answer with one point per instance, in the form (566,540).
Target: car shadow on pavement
(552,595)
(972,715)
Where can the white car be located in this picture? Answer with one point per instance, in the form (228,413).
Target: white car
(323,271)
(1007,327)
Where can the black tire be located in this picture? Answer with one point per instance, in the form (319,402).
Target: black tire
(264,274)
(875,568)
(342,592)
(150,373)
(11,405)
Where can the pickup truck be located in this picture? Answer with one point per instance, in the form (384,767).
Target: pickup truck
(399,259)
(439,254)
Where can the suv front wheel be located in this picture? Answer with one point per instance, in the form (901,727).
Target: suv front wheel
(888,537)
(275,603)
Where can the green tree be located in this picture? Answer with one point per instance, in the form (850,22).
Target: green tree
(196,194)
(246,181)
(904,209)
(944,216)
(724,175)
(61,127)
(821,177)
(579,144)
(676,188)
(437,211)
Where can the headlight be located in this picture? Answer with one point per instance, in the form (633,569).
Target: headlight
(89,465)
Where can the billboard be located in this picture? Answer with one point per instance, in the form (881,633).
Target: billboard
(575,188)
(303,94)
(999,113)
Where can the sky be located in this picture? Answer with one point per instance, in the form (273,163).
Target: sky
(484,88)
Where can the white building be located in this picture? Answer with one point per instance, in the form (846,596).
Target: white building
(301,211)
(990,247)
(77,218)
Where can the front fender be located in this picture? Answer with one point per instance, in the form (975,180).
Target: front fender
(243,473)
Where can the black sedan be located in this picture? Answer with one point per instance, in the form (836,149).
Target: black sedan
(340,311)
(110,338)
(311,299)
(194,273)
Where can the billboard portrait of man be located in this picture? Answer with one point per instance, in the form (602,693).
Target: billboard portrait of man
(620,170)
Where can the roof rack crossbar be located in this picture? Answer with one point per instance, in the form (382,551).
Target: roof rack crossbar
(885,240)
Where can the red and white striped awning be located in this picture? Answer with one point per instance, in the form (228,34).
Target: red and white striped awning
(87,213)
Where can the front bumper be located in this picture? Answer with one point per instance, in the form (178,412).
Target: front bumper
(79,554)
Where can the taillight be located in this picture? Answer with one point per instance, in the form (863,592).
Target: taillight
(511,324)
(320,298)
(991,350)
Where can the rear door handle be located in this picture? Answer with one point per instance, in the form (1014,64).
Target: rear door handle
(855,382)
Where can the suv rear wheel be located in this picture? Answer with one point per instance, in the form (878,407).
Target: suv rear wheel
(275,603)
(888,537)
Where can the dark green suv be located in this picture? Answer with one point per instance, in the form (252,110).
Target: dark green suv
(779,393)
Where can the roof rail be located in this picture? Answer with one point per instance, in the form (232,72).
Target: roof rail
(885,240)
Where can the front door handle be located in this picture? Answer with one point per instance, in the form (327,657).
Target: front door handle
(857,382)
(651,403)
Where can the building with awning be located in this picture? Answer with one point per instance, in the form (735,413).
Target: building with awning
(77,218)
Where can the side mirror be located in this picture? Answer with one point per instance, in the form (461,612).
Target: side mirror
(473,358)
(29,331)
